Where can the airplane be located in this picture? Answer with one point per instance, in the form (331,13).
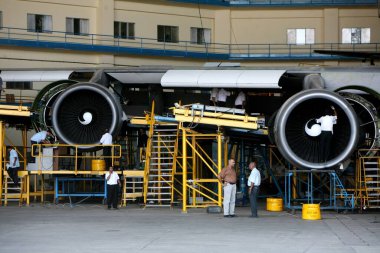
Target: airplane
(290,99)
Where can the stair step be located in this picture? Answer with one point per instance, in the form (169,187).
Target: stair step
(158,193)
(158,205)
(162,152)
(166,147)
(372,169)
(374,201)
(162,158)
(165,135)
(373,194)
(372,176)
(162,163)
(159,187)
(373,188)
(158,199)
(373,182)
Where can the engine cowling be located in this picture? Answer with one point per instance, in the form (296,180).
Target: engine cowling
(303,148)
(82,112)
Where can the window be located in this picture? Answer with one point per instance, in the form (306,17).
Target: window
(39,23)
(200,35)
(356,35)
(124,30)
(77,26)
(19,85)
(301,36)
(1,20)
(167,33)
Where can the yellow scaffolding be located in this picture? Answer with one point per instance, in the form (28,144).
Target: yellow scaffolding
(195,183)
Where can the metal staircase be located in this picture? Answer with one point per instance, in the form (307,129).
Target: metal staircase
(163,146)
(12,192)
(371,173)
(341,193)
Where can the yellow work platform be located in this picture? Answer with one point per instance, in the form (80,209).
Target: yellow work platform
(15,110)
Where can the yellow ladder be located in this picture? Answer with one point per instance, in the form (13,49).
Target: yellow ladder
(11,192)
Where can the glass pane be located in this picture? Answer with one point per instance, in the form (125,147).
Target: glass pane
(301,36)
(366,35)
(116,32)
(310,36)
(131,30)
(291,36)
(346,35)
(123,30)
(160,33)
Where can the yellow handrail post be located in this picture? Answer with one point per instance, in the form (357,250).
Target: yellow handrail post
(194,167)
(184,168)
(1,160)
(219,168)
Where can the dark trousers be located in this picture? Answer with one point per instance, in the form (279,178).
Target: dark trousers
(107,154)
(221,104)
(253,200)
(12,172)
(325,147)
(112,195)
(239,106)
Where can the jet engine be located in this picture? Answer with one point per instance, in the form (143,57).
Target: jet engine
(82,112)
(298,139)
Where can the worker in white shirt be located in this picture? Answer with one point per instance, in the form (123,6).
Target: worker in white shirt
(37,138)
(327,123)
(240,100)
(113,181)
(14,165)
(222,97)
(213,96)
(254,182)
(106,141)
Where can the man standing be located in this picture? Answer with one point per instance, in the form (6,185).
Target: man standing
(240,100)
(228,177)
(254,182)
(327,124)
(222,97)
(14,165)
(113,182)
(213,96)
(142,140)
(106,141)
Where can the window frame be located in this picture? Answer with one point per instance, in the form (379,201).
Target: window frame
(362,31)
(39,23)
(173,33)
(72,24)
(129,30)
(196,35)
(307,39)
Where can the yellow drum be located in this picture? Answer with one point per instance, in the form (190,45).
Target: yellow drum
(98,165)
(274,204)
(311,212)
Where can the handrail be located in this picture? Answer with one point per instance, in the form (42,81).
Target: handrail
(243,3)
(115,152)
(150,46)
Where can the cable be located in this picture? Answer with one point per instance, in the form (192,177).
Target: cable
(203,30)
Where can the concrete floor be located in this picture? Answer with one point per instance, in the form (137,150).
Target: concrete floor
(91,228)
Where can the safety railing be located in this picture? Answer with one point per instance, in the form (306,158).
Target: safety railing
(150,46)
(237,3)
(77,154)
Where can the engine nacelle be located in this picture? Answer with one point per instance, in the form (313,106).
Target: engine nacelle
(303,149)
(82,112)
